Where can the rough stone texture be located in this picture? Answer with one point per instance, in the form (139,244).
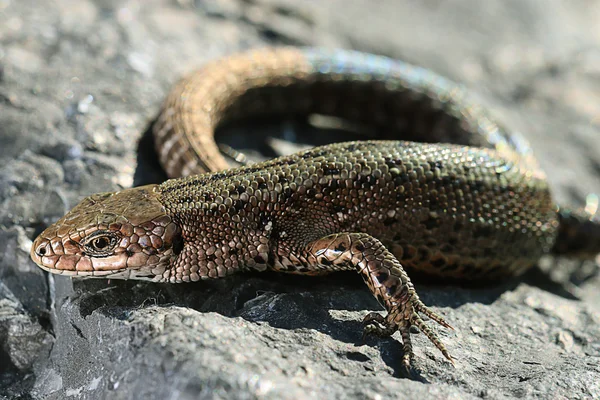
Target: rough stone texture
(80,81)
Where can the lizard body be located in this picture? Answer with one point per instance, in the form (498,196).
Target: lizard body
(458,198)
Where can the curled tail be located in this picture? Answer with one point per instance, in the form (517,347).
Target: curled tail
(579,232)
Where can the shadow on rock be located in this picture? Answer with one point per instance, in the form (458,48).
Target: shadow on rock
(333,305)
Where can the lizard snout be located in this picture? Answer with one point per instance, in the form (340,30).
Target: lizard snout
(42,253)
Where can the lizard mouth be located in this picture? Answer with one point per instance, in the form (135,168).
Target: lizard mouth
(123,273)
(83,274)
(48,257)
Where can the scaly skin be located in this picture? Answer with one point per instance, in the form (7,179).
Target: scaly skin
(382,208)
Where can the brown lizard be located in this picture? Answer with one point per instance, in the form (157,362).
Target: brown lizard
(470,204)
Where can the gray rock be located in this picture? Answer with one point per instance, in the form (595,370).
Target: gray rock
(81,81)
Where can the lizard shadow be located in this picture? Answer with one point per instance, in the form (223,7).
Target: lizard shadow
(258,139)
(332,305)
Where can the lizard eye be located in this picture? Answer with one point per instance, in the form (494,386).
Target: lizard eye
(101,243)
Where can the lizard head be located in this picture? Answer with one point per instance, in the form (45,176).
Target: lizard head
(126,235)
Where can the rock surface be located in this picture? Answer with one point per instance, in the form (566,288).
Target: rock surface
(81,80)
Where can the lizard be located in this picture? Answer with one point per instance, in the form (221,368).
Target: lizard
(459,197)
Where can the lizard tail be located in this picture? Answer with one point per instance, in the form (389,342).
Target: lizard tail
(579,231)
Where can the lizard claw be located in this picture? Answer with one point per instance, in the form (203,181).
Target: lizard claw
(396,320)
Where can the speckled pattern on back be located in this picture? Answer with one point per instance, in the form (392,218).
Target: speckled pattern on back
(443,209)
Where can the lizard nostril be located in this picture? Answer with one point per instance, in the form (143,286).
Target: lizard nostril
(41,250)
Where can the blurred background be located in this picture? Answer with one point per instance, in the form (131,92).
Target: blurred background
(81,81)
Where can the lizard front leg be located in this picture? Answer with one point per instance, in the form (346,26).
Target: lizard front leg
(386,279)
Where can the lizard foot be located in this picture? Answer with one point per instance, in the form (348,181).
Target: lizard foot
(376,324)
(389,283)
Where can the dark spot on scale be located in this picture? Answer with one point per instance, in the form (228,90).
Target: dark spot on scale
(436,164)
(211,257)
(342,247)
(331,171)
(177,244)
(389,221)
(392,289)
(336,208)
(216,177)
(183,186)
(433,202)
(187,199)
(367,181)
(390,163)
(447,181)
(313,154)
(382,276)
(324,261)
(259,260)
(263,219)
(262,185)
(359,247)
(240,189)
(478,186)
(233,251)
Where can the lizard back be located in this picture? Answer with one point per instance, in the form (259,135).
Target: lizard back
(443,210)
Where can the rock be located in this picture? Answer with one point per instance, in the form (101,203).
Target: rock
(81,82)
